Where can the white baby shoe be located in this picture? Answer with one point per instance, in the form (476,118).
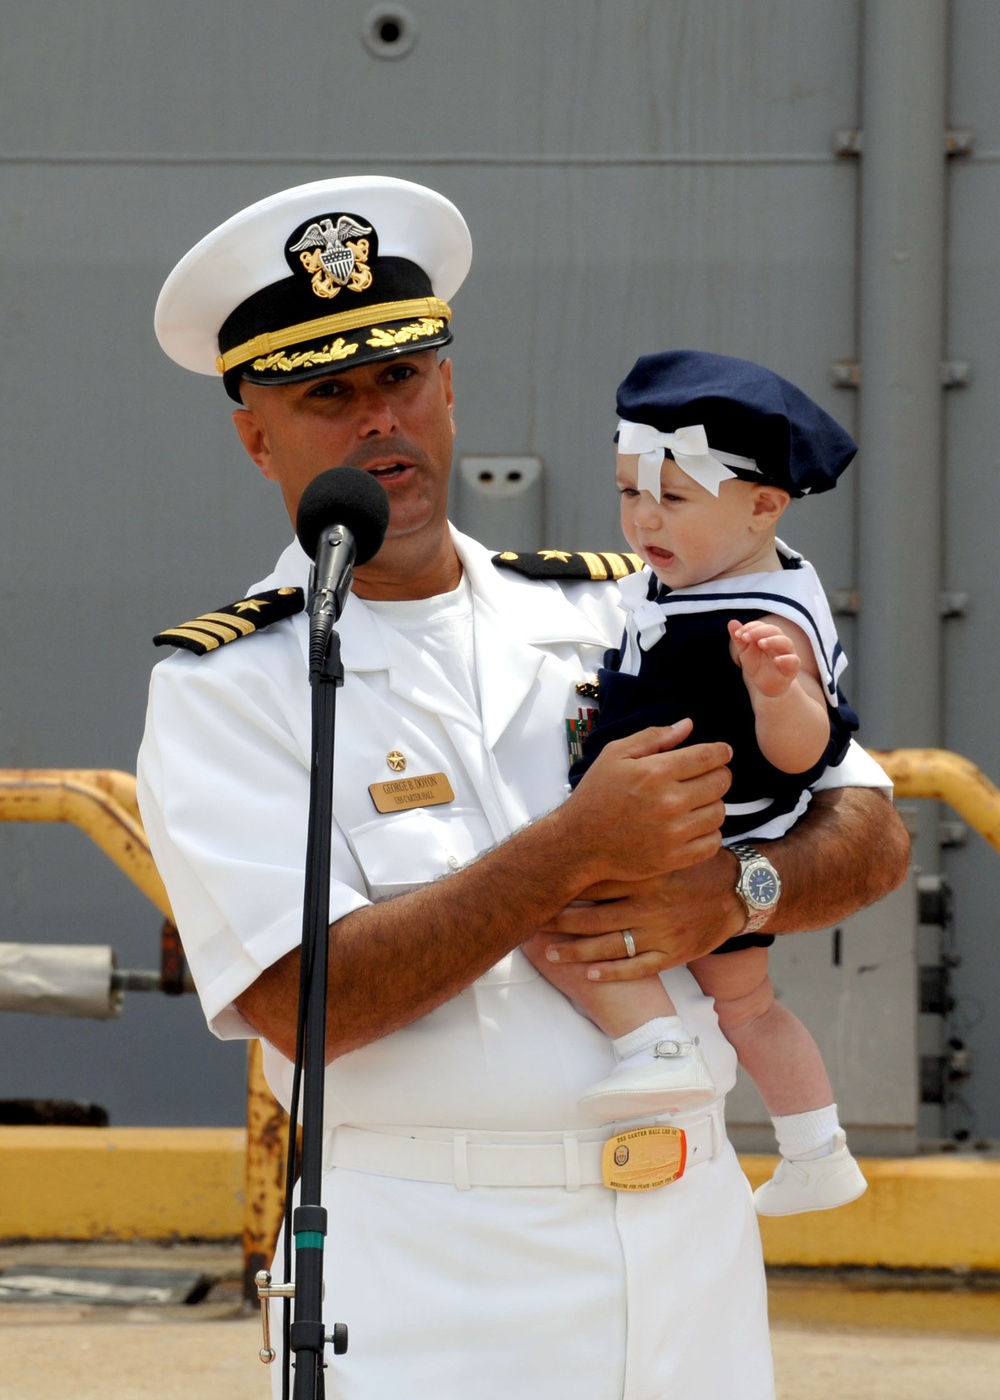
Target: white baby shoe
(672,1077)
(821,1184)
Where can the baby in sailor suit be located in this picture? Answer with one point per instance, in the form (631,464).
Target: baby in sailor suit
(729,627)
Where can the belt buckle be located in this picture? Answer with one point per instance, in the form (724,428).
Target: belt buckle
(644,1158)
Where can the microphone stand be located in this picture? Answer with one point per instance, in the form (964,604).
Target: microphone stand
(306,1337)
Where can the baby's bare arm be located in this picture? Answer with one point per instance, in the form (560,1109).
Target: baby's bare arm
(792,720)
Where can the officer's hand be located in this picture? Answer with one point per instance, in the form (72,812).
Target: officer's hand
(570,977)
(646,807)
(673,919)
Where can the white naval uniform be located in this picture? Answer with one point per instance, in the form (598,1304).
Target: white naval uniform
(457,1294)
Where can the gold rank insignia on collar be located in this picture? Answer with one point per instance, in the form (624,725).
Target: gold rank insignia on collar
(235,620)
(567,567)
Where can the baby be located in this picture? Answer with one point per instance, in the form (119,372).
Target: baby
(729,627)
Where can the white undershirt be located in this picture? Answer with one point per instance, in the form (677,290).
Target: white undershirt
(442,629)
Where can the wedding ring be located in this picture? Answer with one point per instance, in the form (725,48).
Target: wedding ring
(629,942)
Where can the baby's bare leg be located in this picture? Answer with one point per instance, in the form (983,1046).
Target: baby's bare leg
(817,1171)
(659,1068)
(772,1044)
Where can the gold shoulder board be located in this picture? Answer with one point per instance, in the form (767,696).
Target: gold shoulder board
(235,620)
(562,565)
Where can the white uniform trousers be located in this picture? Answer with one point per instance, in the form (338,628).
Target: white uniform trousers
(541,1293)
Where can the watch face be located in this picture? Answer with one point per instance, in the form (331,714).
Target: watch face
(762,887)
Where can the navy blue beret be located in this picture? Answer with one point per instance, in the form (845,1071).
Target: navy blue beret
(746,410)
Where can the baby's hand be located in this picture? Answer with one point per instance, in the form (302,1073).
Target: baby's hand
(767,657)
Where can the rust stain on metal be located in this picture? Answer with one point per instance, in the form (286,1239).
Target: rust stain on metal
(267,1148)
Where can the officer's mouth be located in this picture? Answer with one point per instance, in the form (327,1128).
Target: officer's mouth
(392,471)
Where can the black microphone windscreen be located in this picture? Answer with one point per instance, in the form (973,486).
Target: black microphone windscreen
(344,496)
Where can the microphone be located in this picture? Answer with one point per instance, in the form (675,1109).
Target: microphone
(341,521)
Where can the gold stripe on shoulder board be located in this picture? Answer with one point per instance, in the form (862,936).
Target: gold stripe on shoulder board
(622,564)
(562,565)
(198,642)
(223,627)
(228,624)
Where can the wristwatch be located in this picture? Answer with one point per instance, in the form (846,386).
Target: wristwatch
(759,886)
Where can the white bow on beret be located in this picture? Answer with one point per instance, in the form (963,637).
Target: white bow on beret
(689,449)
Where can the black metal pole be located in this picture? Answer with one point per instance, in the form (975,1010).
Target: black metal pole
(307,1336)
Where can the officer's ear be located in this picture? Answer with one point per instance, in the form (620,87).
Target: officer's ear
(253,436)
(444,368)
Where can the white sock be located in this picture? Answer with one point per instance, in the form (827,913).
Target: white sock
(804,1137)
(644,1037)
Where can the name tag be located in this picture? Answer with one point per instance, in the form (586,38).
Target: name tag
(428,790)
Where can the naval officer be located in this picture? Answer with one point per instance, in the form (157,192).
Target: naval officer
(479,1243)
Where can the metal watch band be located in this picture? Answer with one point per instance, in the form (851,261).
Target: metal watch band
(756,918)
(756,921)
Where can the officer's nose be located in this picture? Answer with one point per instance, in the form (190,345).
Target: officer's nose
(376,417)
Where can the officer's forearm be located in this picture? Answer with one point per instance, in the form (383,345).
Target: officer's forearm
(848,850)
(641,809)
(392,962)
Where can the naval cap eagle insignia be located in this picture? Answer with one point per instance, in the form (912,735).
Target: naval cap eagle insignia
(335,250)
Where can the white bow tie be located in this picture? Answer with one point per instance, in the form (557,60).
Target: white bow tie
(689,449)
(645,614)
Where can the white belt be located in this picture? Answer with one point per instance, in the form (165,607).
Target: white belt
(473,1158)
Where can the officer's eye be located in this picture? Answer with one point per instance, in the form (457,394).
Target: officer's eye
(325,389)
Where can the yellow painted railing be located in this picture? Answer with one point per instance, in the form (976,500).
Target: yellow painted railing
(102,803)
(937,773)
